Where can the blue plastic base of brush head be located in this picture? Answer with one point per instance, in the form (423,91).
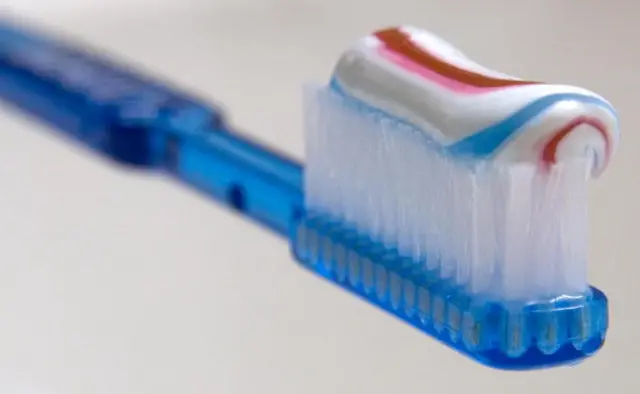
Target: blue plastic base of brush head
(504,336)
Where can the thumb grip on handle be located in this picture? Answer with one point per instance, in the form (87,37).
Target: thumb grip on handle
(107,107)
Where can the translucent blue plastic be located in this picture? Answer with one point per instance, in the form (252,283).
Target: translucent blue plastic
(138,121)
(507,336)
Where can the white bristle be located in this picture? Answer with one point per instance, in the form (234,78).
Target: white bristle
(514,232)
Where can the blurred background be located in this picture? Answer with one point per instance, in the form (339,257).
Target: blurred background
(123,282)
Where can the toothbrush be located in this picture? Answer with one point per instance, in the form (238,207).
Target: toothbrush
(447,194)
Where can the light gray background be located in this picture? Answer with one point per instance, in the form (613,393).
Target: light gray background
(119,282)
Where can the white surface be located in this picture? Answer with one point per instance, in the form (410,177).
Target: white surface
(117,282)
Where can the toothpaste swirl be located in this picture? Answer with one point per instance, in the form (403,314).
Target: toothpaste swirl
(470,110)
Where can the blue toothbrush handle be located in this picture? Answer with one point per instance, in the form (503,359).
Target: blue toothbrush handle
(250,178)
(145,123)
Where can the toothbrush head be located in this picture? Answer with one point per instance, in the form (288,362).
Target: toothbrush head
(455,197)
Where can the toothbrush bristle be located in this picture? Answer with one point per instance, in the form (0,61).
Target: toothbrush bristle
(455,197)
(507,232)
